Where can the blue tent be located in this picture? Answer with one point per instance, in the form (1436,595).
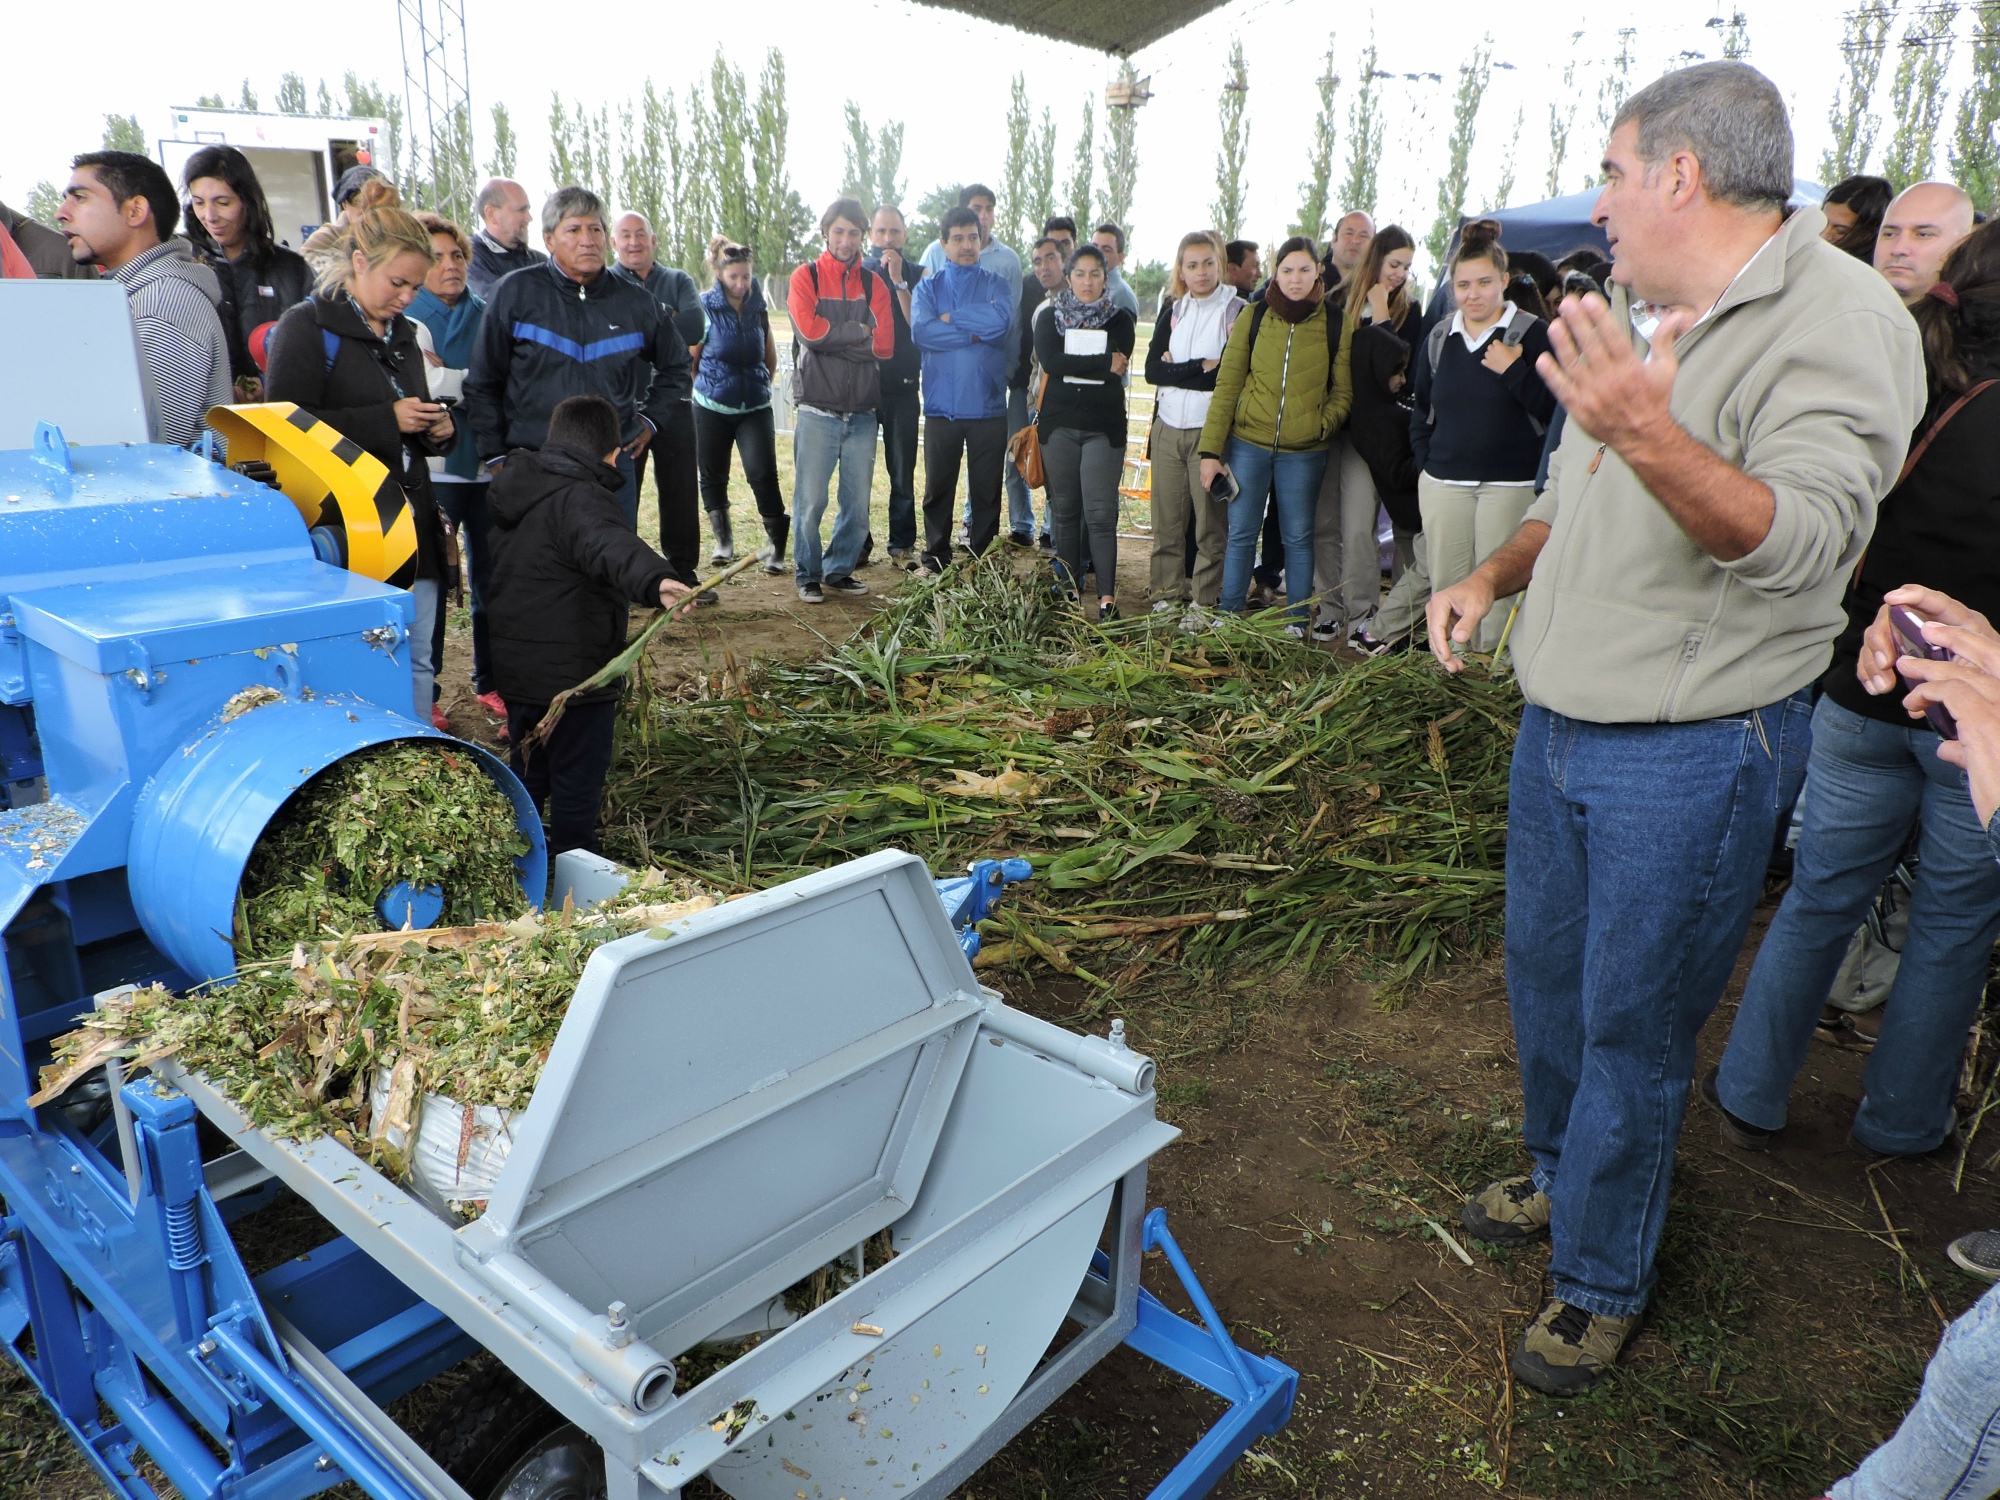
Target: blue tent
(1561,225)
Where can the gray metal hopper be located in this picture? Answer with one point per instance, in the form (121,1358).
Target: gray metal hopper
(732,1106)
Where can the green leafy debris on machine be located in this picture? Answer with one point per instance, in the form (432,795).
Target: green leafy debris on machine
(1212,797)
(414,811)
(304,1044)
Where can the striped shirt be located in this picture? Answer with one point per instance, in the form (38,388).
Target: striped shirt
(183,351)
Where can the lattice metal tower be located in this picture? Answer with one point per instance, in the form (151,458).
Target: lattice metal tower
(437,92)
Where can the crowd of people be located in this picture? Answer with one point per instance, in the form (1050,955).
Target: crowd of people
(1729,497)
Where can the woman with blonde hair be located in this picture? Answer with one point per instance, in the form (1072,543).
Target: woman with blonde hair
(348,356)
(733,365)
(1196,317)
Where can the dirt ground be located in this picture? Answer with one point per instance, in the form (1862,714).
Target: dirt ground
(1329,1131)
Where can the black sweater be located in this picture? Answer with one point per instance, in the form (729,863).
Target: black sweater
(1083,393)
(1378,423)
(1488,427)
(356,394)
(1940,528)
(565,566)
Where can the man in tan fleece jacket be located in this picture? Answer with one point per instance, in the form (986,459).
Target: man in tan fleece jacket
(1736,411)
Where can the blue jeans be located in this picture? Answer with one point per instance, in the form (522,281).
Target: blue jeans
(1020,499)
(820,444)
(1635,856)
(1948,1447)
(1870,784)
(1292,481)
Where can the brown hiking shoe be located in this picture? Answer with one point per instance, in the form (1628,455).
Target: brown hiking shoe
(1566,1348)
(1506,1212)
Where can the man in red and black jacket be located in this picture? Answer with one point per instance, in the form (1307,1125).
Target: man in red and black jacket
(843,327)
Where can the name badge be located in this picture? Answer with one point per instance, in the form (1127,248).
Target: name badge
(265,291)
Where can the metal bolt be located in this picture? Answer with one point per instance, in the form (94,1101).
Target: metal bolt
(205,1348)
(322,1463)
(618,1332)
(1118,1033)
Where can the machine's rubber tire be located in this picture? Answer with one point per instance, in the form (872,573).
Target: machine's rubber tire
(484,1435)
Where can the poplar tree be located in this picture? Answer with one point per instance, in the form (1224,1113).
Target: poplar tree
(858,178)
(1503,191)
(124,133)
(506,148)
(1121,157)
(889,188)
(291,94)
(370,101)
(1472,79)
(1313,192)
(1364,138)
(1853,122)
(248,98)
(778,215)
(1232,179)
(1084,166)
(1917,96)
(1011,213)
(325,99)
(1975,145)
(1616,83)
(44,198)
(643,184)
(1041,202)
(1562,119)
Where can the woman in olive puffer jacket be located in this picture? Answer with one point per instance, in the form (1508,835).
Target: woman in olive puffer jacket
(1281,393)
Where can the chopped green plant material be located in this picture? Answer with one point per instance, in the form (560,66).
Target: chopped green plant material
(1231,794)
(356,1037)
(411,811)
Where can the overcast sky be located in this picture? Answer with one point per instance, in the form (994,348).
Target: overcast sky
(946,76)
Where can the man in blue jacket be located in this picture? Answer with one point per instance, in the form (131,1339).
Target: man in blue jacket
(572,328)
(960,318)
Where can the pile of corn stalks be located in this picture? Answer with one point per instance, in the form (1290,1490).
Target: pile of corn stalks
(1212,798)
(299,1042)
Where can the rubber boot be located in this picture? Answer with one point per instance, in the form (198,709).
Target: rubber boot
(779,530)
(725,544)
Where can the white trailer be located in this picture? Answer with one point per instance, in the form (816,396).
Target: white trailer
(297,158)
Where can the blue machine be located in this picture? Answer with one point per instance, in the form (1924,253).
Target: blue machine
(174,663)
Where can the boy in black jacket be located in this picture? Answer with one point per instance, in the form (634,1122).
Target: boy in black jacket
(565,566)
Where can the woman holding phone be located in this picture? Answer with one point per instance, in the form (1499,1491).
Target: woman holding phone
(349,357)
(1875,777)
(1083,342)
(1281,393)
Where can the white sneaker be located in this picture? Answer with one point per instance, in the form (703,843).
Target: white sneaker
(1164,606)
(1296,632)
(1195,618)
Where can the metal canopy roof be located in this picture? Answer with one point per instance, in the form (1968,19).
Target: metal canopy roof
(1120,26)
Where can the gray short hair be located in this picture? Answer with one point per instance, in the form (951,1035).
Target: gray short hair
(1731,117)
(572,202)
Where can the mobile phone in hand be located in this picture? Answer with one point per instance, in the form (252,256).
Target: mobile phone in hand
(1224,488)
(1908,628)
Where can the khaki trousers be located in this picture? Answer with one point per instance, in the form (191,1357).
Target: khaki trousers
(1465,524)
(1347,561)
(1177,493)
